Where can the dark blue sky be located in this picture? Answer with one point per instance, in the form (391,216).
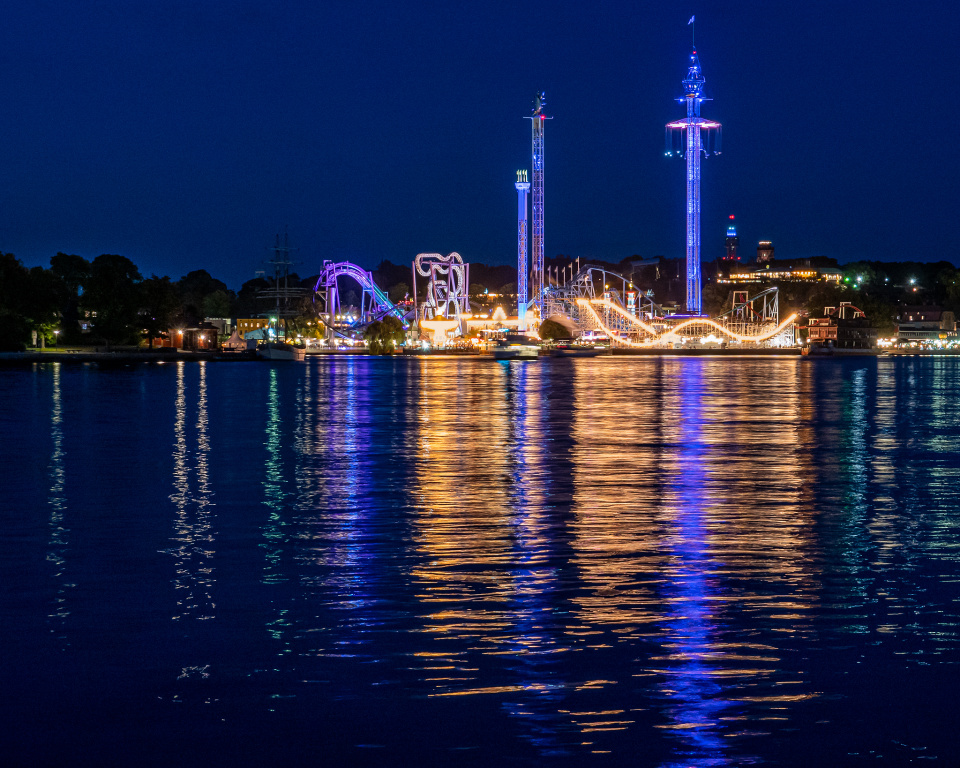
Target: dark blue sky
(185,135)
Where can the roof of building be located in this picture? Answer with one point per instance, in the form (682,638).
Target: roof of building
(920,314)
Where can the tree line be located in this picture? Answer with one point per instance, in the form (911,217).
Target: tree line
(112,299)
(119,306)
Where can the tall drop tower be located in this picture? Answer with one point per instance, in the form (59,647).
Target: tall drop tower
(536,253)
(689,138)
(523,187)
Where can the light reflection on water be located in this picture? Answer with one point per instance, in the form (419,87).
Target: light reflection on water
(59,534)
(192,500)
(656,561)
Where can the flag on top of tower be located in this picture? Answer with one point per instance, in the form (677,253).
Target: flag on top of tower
(691,20)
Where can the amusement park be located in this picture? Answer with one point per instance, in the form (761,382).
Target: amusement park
(587,306)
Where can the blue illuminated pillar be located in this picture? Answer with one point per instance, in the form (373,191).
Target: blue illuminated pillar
(536,254)
(523,187)
(693,219)
(693,129)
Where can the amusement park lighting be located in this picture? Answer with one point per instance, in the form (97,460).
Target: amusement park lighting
(675,329)
(439,329)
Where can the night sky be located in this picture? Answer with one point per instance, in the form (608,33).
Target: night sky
(186,135)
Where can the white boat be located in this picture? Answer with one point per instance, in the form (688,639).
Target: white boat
(516,347)
(279,350)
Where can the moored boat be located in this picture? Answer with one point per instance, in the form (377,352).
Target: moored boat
(579,350)
(279,350)
(516,347)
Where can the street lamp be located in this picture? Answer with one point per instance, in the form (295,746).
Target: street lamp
(56,338)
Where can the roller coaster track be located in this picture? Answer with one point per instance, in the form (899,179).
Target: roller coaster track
(655,336)
(374,302)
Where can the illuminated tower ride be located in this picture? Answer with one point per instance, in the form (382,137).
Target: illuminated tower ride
(536,253)
(523,187)
(688,138)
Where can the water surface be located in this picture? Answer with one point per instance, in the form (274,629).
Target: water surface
(619,561)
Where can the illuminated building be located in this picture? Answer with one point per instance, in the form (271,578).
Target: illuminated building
(773,273)
(247,325)
(688,138)
(926,325)
(523,187)
(843,327)
(764,252)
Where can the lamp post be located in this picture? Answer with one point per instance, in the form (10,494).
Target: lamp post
(56,338)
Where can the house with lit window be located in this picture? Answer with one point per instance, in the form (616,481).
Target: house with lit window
(926,325)
(782,273)
(843,327)
(246,325)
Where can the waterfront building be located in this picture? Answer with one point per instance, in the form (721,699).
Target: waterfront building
(247,325)
(926,325)
(843,327)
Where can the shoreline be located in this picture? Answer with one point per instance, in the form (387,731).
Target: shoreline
(127,357)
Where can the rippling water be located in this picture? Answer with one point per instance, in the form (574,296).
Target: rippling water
(620,561)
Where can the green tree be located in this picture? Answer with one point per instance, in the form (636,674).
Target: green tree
(949,280)
(304,322)
(218,304)
(14,325)
(716,299)
(398,292)
(73,272)
(113,294)
(159,305)
(194,287)
(30,300)
(382,336)
(248,305)
(551,330)
(860,274)
(45,295)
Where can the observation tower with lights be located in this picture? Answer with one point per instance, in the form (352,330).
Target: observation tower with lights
(523,187)
(536,254)
(689,138)
(732,242)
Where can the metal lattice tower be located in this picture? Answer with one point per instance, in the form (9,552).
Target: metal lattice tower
(688,138)
(536,253)
(523,187)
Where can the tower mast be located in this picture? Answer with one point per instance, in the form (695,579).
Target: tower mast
(689,137)
(536,254)
(523,187)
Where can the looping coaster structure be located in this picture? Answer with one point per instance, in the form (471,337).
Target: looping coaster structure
(603,301)
(374,304)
